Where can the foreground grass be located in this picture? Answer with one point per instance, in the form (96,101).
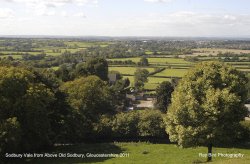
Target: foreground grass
(143,153)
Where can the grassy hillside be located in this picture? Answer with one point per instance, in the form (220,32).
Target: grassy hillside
(141,153)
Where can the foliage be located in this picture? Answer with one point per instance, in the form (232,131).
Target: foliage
(133,124)
(245,135)
(143,62)
(191,59)
(103,129)
(24,103)
(151,124)
(163,96)
(126,124)
(207,106)
(98,67)
(141,77)
(118,91)
(248,87)
(10,135)
(88,96)
(63,73)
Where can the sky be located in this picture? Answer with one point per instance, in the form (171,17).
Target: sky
(165,18)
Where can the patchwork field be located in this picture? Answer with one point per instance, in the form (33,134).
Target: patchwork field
(175,67)
(215,51)
(71,46)
(172,70)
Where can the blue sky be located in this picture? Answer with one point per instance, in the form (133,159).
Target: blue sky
(126,17)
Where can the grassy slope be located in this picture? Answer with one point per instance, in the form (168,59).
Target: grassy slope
(140,153)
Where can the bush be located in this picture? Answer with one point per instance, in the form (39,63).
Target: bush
(131,125)
(245,131)
(10,135)
(151,124)
(77,128)
(103,129)
(126,124)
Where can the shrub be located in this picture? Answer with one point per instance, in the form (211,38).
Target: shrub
(151,124)
(126,124)
(131,125)
(103,129)
(10,135)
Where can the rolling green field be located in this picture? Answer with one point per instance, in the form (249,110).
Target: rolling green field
(155,60)
(215,51)
(157,80)
(175,67)
(172,72)
(145,153)
(152,83)
(71,46)
(129,70)
(13,56)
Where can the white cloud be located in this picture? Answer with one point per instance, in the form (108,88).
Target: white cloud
(47,13)
(230,17)
(81,14)
(53,3)
(182,23)
(64,14)
(45,7)
(158,1)
(24,19)
(6,13)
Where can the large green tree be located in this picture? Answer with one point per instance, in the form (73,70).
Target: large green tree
(140,77)
(24,105)
(94,66)
(89,97)
(163,95)
(98,67)
(63,73)
(207,106)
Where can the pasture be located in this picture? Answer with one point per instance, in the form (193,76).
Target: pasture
(145,153)
(172,72)
(70,46)
(156,61)
(175,67)
(215,51)
(129,70)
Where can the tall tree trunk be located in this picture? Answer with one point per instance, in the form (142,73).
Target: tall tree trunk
(209,153)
